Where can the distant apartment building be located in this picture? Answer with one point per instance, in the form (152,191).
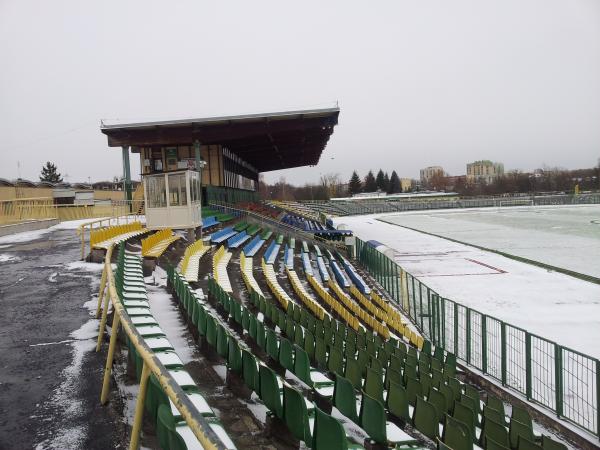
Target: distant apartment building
(407,184)
(430,172)
(484,171)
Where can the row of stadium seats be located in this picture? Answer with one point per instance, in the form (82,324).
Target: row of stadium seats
(103,238)
(172,432)
(155,245)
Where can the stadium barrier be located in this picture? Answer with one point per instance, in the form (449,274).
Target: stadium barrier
(151,365)
(383,205)
(560,379)
(85,230)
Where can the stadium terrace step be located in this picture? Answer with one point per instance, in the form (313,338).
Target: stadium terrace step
(155,245)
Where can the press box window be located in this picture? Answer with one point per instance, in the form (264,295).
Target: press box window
(177,193)
(155,191)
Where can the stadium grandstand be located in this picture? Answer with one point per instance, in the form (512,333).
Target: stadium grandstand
(242,324)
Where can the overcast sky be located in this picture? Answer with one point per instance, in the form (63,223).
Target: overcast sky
(419,83)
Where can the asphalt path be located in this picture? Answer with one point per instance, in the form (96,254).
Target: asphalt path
(50,375)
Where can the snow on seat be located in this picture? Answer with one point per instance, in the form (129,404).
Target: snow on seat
(191,260)
(222,235)
(254,245)
(155,245)
(198,401)
(237,240)
(220,260)
(271,253)
(306,264)
(339,275)
(106,237)
(322,268)
(249,280)
(191,442)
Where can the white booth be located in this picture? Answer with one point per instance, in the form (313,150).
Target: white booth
(173,199)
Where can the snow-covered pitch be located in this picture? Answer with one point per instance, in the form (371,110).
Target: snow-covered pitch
(550,304)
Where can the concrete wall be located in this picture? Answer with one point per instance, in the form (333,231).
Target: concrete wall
(10,193)
(27,226)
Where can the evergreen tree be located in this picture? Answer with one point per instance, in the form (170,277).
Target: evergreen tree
(354,185)
(386,182)
(370,185)
(380,180)
(50,173)
(395,185)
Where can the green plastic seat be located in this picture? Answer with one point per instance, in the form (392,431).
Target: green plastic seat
(413,390)
(295,414)
(353,373)
(550,444)
(375,364)
(392,375)
(374,385)
(290,329)
(165,426)
(522,415)
(471,403)
(269,390)
(454,384)
(494,431)
(437,399)
(494,414)
(410,372)
(250,371)
(320,353)
(328,434)
(397,401)
(526,444)
(286,354)
(426,383)
(373,420)
(497,404)
(517,431)
(491,444)
(272,344)
(211,331)
(335,362)
(252,327)
(344,398)
(457,435)
(309,345)
(234,357)
(396,363)
(425,418)
(222,341)
(299,336)
(465,414)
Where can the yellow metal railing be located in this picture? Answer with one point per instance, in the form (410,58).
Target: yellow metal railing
(151,365)
(24,209)
(85,230)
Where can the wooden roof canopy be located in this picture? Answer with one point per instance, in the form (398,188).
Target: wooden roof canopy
(270,141)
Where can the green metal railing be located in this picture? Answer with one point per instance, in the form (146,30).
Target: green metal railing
(558,378)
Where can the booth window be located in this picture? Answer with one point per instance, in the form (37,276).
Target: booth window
(156,192)
(177,192)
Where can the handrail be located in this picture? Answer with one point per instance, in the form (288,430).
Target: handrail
(151,365)
(85,229)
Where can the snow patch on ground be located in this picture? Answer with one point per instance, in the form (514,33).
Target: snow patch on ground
(5,257)
(83,266)
(25,236)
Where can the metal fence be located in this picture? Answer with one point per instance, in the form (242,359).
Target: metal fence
(558,378)
(359,206)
